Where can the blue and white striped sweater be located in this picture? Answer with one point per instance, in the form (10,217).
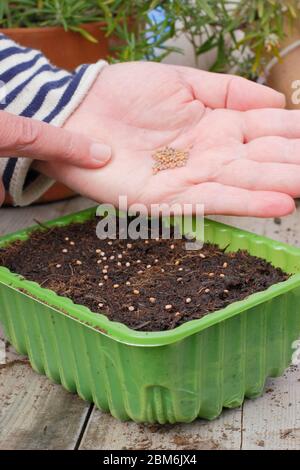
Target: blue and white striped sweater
(32,87)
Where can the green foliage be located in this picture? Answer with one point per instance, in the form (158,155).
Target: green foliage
(245,34)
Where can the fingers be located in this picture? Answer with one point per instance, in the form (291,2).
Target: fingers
(252,175)
(230,91)
(274,149)
(26,137)
(227,200)
(271,122)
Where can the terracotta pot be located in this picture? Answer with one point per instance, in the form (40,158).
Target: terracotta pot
(285,74)
(66,50)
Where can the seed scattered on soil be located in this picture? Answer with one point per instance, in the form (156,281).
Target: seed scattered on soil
(162,285)
(78,262)
(65,250)
(136,291)
(115,286)
(222,275)
(188,300)
(168,158)
(67,239)
(72,243)
(100,305)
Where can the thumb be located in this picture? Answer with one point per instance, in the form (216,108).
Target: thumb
(25,137)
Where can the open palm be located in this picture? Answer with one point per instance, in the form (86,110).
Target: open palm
(244,156)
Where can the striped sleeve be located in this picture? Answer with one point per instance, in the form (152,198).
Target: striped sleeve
(32,87)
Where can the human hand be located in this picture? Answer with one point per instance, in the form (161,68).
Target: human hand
(243,160)
(23,137)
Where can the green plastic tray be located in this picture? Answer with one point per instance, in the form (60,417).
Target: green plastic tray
(191,371)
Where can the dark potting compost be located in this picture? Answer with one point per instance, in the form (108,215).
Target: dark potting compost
(149,285)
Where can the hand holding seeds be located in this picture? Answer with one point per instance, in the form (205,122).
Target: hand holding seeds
(181,135)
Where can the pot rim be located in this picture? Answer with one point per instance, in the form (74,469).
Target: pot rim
(41,29)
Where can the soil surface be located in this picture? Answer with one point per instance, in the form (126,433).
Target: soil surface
(149,285)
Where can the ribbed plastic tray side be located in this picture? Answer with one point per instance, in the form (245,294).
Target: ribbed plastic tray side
(195,377)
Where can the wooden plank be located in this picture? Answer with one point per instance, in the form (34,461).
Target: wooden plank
(106,433)
(35,413)
(272,421)
(13,219)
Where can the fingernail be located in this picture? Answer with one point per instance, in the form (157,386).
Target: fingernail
(100,152)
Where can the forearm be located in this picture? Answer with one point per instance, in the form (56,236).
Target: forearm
(32,87)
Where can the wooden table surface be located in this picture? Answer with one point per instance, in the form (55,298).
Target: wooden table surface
(37,414)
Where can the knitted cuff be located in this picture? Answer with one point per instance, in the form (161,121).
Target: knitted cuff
(34,88)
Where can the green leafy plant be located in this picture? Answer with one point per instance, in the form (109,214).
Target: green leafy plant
(139,35)
(244,34)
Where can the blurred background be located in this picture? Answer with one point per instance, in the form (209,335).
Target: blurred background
(255,38)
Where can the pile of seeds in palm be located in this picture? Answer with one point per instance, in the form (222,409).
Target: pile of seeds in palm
(169,157)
